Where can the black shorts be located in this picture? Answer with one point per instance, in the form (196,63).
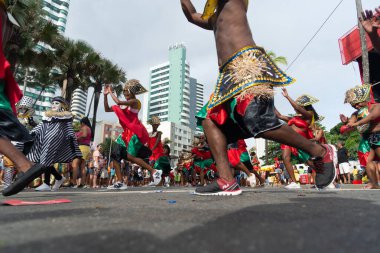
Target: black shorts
(258,118)
(13,130)
(374,140)
(119,152)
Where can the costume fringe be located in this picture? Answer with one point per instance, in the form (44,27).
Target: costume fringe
(262,92)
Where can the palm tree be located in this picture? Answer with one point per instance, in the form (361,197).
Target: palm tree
(71,63)
(277,59)
(102,71)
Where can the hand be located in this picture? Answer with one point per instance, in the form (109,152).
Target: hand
(285,92)
(352,124)
(369,21)
(106,90)
(343,118)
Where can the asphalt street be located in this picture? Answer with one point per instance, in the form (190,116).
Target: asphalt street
(174,220)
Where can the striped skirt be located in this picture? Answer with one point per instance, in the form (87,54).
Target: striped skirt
(55,142)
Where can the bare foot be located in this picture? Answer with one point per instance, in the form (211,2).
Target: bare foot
(370,186)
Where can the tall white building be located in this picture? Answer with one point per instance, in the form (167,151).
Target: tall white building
(79,102)
(175,98)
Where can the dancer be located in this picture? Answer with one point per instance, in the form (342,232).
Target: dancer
(155,143)
(302,124)
(242,105)
(132,143)
(10,128)
(55,142)
(239,159)
(203,161)
(368,148)
(186,168)
(163,164)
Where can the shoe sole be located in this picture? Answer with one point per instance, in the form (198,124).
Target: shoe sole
(223,193)
(19,185)
(332,179)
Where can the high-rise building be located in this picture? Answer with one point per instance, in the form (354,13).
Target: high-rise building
(79,102)
(169,96)
(196,102)
(175,98)
(56,12)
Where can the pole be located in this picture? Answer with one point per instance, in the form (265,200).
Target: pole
(266,152)
(363,41)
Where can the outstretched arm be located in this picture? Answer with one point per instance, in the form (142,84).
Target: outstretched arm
(194,17)
(131,102)
(306,114)
(371,24)
(106,91)
(373,115)
(280,116)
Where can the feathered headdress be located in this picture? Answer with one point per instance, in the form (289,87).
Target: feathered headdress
(134,86)
(357,94)
(154,120)
(306,100)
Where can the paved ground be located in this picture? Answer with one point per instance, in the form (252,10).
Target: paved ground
(147,220)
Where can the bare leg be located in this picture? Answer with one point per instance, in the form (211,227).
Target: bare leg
(21,163)
(141,163)
(218,145)
(119,177)
(84,171)
(371,170)
(286,157)
(75,165)
(288,136)
(202,177)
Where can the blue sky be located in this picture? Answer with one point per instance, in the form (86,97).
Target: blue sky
(136,34)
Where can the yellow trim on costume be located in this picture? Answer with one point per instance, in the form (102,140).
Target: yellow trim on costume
(210,8)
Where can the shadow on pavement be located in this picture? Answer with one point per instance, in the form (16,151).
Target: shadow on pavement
(305,225)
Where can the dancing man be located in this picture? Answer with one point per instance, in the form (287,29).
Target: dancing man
(242,105)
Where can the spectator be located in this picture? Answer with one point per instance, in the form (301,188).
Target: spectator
(344,166)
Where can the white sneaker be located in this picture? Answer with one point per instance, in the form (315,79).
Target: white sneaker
(152,183)
(252,180)
(43,188)
(118,186)
(293,186)
(58,184)
(331,186)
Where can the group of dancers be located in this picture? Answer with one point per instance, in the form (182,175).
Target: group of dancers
(241,107)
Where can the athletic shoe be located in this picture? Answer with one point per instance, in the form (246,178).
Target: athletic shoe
(219,187)
(58,184)
(43,188)
(252,180)
(325,168)
(118,186)
(293,186)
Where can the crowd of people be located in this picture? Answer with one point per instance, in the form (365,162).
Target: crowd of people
(241,107)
